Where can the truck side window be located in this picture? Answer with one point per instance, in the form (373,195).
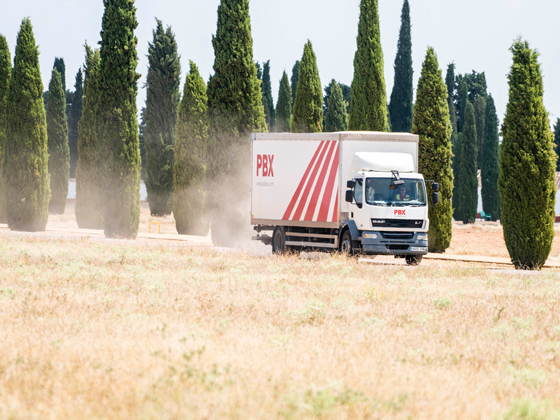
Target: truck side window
(359,192)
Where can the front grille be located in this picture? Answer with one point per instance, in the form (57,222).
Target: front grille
(397,235)
(397,223)
(397,247)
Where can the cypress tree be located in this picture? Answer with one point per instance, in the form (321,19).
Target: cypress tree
(118,124)
(479,116)
(308,107)
(468,189)
(527,164)
(284,106)
(490,165)
(268,101)
(368,110)
(345,96)
(400,108)
(336,118)
(25,154)
(463,99)
(235,110)
(431,122)
(89,204)
(557,142)
(61,68)
(450,83)
(59,153)
(76,110)
(294,80)
(190,157)
(162,101)
(457,149)
(5,74)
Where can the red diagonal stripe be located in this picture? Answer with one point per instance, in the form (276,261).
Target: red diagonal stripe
(312,178)
(327,197)
(320,182)
(335,210)
(302,183)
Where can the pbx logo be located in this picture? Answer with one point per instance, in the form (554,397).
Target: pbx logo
(400,212)
(264,164)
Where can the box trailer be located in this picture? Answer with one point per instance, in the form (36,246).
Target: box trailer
(353,192)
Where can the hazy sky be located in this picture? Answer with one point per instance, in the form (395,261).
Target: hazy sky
(474,34)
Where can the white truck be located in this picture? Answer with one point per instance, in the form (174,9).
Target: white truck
(355,192)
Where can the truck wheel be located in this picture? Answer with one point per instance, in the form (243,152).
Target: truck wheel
(279,241)
(346,244)
(413,259)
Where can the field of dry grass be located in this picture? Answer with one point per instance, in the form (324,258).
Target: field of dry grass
(137,331)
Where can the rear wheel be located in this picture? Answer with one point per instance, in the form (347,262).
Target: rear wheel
(346,244)
(279,241)
(413,259)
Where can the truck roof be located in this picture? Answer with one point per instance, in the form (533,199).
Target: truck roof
(340,136)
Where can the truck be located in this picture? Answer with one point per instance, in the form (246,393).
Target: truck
(351,192)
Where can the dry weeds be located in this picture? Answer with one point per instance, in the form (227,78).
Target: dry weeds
(94,330)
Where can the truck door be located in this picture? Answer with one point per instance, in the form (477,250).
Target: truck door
(358,192)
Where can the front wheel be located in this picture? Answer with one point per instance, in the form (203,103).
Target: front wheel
(279,241)
(413,259)
(346,244)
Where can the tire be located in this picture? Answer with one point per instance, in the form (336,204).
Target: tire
(279,241)
(346,244)
(413,259)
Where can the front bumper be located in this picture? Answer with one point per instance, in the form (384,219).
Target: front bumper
(394,243)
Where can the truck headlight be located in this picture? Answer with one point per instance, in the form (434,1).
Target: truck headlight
(422,237)
(369,236)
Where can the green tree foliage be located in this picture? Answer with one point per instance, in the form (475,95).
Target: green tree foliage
(457,149)
(163,85)
(479,117)
(117,122)
(5,74)
(142,143)
(190,157)
(557,142)
(431,122)
(336,118)
(294,80)
(461,105)
(527,164)
(400,107)
(346,95)
(235,110)
(61,68)
(490,165)
(308,107)
(76,109)
(25,153)
(89,202)
(284,106)
(59,153)
(468,173)
(450,83)
(268,101)
(368,110)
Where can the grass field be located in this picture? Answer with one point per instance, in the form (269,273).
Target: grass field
(101,330)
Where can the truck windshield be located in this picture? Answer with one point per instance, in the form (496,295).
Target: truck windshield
(382,192)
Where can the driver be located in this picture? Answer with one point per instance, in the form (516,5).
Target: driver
(402,195)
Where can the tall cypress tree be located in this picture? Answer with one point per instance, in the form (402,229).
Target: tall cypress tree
(59,153)
(527,164)
(307,116)
(25,154)
(294,80)
(368,110)
(190,157)
(89,203)
(118,124)
(432,124)
(284,106)
(468,188)
(457,149)
(400,108)
(268,101)
(235,110)
(61,68)
(76,109)
(5,74)
(336,118)
(479,117)
(557,142)
(490,165)
(163,95)
(463,95)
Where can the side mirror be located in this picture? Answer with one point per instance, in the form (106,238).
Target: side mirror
(435,187)
(350,184)
(435,198)
(349,196)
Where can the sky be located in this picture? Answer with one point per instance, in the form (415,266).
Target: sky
(475,35)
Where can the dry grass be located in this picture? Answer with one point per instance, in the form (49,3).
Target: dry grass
(97,330)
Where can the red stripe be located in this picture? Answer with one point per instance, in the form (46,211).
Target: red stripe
(327,197)
(320,182)
(335,210)
(302,183)
(305,195)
